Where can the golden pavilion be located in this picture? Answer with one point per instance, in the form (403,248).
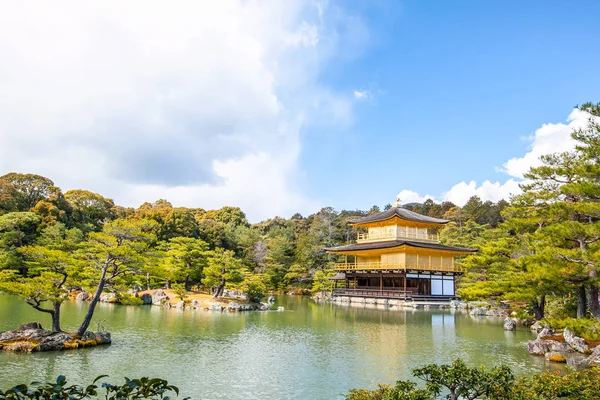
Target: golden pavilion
(398,255)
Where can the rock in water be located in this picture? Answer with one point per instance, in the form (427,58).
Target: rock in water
(547,331)
(146,298)
(577,343)
(555,356)
(158,297)
(594,358)
(180,304)
(216,307)
(108,298)
(478,311)
(195,304)
(82,296)
(537,326)
(510,324)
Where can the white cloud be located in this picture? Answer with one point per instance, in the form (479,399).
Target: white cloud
(199,102)
(460,193)
(362,94)
(548,139)
(408,196)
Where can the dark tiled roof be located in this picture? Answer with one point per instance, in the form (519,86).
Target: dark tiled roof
(402,213)
(396,243)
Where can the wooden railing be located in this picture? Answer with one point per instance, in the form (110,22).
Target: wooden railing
(369,266)
(399,294)
(366,237)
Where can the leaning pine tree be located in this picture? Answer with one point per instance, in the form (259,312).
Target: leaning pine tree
(118,250)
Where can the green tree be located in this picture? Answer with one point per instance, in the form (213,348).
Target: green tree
(89,211)
(49,273)
(17,229)
(118,250)
(185,259)
(222,269)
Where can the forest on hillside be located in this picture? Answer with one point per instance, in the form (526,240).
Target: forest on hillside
(542,244)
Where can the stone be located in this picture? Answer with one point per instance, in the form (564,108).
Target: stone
(216,307)
(560,347)
(30,325)
(263,307)
(510,324)
(233,306)
(478,311)
(30,340)
(108,298)
(578,361)
(82,296)
(539,346)
(271,299)
(594,358)
(555,356)
(280,309)
(578,344)
(545,332)
(146,298)
(180,304)
(159,297)
(537,327)
(195,304)
(496,313)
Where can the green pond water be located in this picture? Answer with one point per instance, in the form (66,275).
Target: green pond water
(309,351)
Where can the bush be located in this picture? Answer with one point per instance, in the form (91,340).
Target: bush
(129,300)
(143,388)
(457,381)
(589,329)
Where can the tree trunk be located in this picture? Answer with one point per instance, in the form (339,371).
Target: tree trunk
(56,316)
(539,307)
(168,284)
(581,306)
(186,283)
(592,299)
(147,280)
(88,317)
(219,289)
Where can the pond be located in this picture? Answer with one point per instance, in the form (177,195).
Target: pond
(309,351)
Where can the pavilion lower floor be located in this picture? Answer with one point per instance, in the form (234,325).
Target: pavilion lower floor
(396,285)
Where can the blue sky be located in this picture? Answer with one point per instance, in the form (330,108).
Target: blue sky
(285,106)
(456,86)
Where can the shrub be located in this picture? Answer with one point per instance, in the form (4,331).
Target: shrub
(589,329)
(459,382)
(129,300)
(143,388)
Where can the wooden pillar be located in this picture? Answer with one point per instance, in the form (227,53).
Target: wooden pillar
(404,285)
(381,283)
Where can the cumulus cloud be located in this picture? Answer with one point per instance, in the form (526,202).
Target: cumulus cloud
(549,138)
(460,193)
(408,196)
(198,102)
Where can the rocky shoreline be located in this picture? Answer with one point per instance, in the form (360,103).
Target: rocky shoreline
(563,347)
(160,297)
(31,337)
